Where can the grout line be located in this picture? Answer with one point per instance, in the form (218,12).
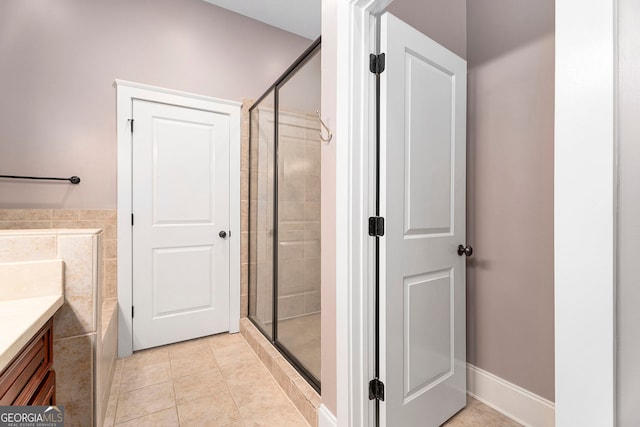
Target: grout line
(86,334)
(175,396)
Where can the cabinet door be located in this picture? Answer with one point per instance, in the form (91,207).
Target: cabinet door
(24,376)
(46,394)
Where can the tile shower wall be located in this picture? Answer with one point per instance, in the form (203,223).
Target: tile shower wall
(244,208)
(261,215)
(298,215)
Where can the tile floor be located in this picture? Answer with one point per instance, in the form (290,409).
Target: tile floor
(477,414)
(212,381)
(219,381)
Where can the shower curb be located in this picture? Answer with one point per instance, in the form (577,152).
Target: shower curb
(303,396)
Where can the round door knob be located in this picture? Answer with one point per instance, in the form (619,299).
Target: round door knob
(222,234)
(468,251)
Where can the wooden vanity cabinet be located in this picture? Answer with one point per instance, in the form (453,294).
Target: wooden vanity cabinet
(29,379)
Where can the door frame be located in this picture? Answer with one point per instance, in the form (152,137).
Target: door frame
(591,39)
(355,201)
(585,194)
(126,92)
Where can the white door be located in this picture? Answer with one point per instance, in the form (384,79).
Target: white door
(423,113)
(180,205)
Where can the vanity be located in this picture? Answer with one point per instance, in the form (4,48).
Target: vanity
(30,294)
(29,379)
(72,359)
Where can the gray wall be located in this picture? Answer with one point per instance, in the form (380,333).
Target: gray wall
(628,292)
(59,61)
(510,51)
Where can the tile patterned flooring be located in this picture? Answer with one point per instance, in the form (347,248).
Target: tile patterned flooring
(212,381)
(477,414)
(219,381)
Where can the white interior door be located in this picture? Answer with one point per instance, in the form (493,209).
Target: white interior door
(180,205)
(422,307)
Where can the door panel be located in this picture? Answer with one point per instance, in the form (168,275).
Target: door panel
(180,203)
(428,91)
(177,169)
(428,332)
(422,301)
(174,265)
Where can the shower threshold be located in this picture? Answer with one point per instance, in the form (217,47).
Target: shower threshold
(304,397)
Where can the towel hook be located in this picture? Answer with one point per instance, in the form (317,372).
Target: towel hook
(326,128)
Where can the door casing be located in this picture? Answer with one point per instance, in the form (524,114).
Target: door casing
(126,92)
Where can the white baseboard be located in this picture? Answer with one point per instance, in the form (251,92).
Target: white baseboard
(326,418)
(513,401)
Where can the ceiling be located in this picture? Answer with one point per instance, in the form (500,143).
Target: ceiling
(301,17)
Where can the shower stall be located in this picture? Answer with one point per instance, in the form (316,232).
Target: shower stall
(284,214)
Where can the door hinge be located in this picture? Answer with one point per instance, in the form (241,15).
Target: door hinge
(131,219)
(376,226)
(376,63)
(376,390)
(130,124)
(132,312)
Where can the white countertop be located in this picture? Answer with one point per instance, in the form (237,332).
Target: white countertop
(30,294)
(20,320)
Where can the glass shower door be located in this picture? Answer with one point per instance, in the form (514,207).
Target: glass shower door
(261,227)
(298,215)
(284,215)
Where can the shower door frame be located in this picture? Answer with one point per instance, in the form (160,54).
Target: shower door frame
(300,62)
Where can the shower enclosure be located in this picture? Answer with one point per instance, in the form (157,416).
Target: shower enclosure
(284,214)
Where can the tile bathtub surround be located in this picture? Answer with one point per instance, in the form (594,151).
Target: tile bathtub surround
(105,219)
(84,353)
(211,381)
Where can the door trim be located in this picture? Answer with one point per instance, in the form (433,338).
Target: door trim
(585,211)
(355,201)
(125,93)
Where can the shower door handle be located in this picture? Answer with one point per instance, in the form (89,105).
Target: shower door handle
(222,234)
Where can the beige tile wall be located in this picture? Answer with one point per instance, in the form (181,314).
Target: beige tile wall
(244,208)
(298,215)
(22,219)
(261,215)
